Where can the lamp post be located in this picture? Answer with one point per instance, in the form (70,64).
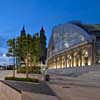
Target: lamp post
(14,42)
(27,66)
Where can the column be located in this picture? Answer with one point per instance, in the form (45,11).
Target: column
(61,62)
(56,62)
(72,60)
(80,55)
(90,55)
(66,59)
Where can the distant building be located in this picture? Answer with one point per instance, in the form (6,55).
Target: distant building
(7,61)
(74,45)
(43,49)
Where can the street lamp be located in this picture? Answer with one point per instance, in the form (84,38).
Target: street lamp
(14,42)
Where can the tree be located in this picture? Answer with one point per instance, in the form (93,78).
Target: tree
(20,50)
(11,45)
(12,51)
(36,50)
(29,49)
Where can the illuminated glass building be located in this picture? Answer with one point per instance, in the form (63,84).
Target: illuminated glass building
(74,45)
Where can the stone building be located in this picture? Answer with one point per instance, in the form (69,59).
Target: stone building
(74,45)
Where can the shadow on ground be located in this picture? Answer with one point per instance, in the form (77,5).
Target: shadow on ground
(41,88)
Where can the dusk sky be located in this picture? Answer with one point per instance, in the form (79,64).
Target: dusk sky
(47,13)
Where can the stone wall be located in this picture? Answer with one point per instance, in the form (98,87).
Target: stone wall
(9,92)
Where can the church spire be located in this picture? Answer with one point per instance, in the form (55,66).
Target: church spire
(23,32)
(42,30)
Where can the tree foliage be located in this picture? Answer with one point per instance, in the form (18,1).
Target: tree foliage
(28,48)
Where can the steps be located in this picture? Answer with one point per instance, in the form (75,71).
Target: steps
(71,72)
(92,75)
(89,73)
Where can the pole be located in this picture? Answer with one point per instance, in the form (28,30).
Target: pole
(14,57)
(27,63)
(27,68)
(14,68)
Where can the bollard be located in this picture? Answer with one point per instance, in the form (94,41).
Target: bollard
(47,77)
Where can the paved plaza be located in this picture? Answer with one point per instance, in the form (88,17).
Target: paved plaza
(33,91)
(84,87)
(4,73)
(76,92)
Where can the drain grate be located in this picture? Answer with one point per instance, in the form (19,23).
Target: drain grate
(66,87)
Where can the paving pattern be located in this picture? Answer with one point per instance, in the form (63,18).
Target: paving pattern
(33,91)
(4,73)
(41,88)
(73,92)
(83,87)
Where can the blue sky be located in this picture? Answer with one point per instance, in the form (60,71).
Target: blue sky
(37,13)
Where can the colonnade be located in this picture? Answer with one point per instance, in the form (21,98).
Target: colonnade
(81,56)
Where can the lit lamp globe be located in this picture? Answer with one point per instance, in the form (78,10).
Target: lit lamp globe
(4,55)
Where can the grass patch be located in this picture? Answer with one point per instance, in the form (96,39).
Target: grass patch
(22,79)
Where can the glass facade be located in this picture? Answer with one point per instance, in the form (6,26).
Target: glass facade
(97,44)
(66,36)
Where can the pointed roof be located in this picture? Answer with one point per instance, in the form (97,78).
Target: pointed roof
(42,29)
(23,32)
(23,29)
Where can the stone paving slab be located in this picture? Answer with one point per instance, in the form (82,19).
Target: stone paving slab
(72,92)
(33,91)
(4,73)
(77,83)
(37,96)
(40,87)
(2,97)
